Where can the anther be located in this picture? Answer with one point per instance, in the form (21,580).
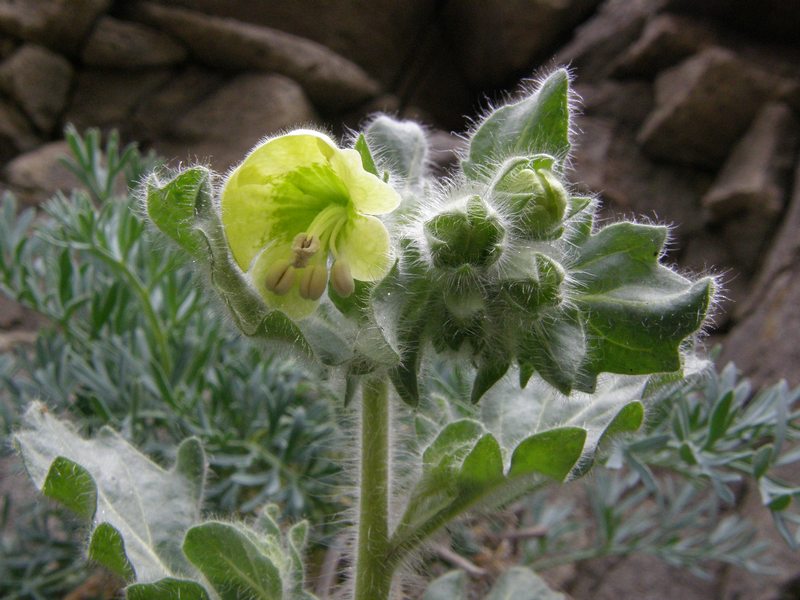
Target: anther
(280,277)
(341,279)
(313,282)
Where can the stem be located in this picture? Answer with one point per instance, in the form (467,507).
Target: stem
(373,573)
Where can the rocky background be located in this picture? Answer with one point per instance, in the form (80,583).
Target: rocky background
(690,117)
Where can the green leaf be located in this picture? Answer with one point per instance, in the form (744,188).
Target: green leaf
(401,147)
(520,583)
(107,548)
(366,156)
(552,453)
(454,441)
(718,421)
(638,312)
(168,588)
(489,372)
(483,466)
(450,586)
(72,485)
(233,564)
(537,124)
(149,507)
(175,205)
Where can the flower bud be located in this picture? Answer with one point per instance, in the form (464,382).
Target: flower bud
(541,288)
(535,195)
(471,236)
(280,277)
(313,282)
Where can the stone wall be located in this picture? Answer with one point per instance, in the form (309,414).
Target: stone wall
(690,109)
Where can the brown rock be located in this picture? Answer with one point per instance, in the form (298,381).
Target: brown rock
(39,81)
(752,177)
(107,98)
(498,39)
(764,343)
(57,24)
(115,43)
(38,174)
(233,119)
(16,135)
(158,113)
(590,154)
(379,35)
(702,107)
(331,81)
(748,196)
(598,42)
(634,185)
(627,103)
(665,41)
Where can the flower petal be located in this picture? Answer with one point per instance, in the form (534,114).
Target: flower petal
(291,303)
(364,244)
(283,154)
(368,193)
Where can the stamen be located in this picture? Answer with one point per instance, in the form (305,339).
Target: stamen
(280,277)
(313,282)
(341,279)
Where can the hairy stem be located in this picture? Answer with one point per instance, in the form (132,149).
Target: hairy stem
(373,574)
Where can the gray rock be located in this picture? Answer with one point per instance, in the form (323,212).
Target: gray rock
(666,40)
(703,105)
(444,149)
(39,80)
(764,343)
(498,39)
(331,81)
(38,174)
(590,154)
(16,134)
(752,178)
(57,24)
(115,43)
(626,103)
(227,124)
(597,43)
(158,113)
(379,35)
(107,98)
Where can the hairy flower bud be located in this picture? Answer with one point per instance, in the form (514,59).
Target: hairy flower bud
(471,236)
(535,195)
(541,288)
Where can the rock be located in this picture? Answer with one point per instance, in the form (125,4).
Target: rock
(764,343)
(748,194)
(771,20)
(381,36)
(626,103)
(7,46)
(703,105)
(39,81)
(634,185)
(226,125)
(598,42)
(752,179)
(115,43)
(497,40)
(666,40)
(58,24)
(331,81)
(159,112)
(107,98)
(38,174)
(16,135)
(590,153)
